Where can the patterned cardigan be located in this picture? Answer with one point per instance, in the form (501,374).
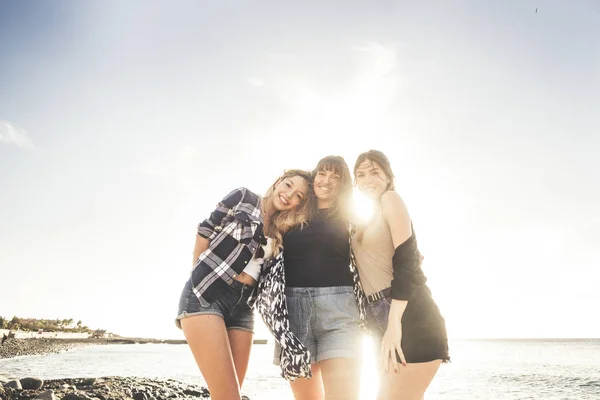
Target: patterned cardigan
(271,304)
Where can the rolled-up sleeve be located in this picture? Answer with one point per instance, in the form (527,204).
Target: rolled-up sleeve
(212,225)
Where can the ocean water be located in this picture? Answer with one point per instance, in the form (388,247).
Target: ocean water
(480,369)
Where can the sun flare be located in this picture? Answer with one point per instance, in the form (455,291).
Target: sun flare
(363,206)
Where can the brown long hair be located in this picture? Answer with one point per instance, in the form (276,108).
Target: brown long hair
(381,159)
(282,222)
(342,203)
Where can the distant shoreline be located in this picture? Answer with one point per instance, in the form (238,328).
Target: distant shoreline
(30,347)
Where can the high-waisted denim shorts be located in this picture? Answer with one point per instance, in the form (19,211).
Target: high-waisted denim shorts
(231,305)
(326,320)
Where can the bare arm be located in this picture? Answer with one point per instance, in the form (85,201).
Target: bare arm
(199,247)
(396,215)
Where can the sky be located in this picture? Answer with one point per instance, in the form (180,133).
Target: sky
(122,124)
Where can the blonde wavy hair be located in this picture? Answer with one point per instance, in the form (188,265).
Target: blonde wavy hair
(282,222)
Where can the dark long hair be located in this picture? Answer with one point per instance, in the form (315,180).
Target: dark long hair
(342,196)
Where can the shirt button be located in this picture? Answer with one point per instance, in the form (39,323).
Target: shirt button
(245,262)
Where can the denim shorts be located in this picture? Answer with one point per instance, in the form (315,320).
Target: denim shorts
(231,305)
(326,320)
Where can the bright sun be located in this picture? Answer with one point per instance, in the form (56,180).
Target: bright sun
(363,206)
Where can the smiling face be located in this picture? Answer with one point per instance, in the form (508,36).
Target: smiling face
(332,185)
(371,179)
(289,193)
(325,186)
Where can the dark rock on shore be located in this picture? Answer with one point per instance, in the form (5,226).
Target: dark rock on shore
(109,388)
(47,395)
(31,383)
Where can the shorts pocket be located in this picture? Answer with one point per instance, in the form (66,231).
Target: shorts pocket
(381,312)
(299,315)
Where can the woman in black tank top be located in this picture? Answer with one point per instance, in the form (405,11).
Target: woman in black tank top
(321,289)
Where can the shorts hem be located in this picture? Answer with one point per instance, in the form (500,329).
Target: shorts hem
(240,328)
(187,315)
(421,360)
(351,354)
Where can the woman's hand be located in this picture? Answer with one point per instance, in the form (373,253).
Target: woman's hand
(392,339)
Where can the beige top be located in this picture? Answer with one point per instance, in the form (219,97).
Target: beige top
(374,255)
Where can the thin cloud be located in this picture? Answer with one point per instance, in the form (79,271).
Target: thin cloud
(12,134)
(256,81)
(383,60)
(360,105)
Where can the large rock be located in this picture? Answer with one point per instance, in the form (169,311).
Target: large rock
(13,385)
(88,381)
(140,396)
(31,383)
(76,396)
(47,395)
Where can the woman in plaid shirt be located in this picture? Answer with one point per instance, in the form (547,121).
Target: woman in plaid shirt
(230,246)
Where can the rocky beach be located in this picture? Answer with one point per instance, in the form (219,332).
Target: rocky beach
(107,388)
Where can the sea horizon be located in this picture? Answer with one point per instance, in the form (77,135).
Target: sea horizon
(482,368)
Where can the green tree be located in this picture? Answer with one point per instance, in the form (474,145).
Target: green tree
(14,323)
(2,322)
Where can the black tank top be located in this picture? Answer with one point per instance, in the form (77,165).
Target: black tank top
(318,255)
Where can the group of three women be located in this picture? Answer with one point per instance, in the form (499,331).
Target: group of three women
(317,278)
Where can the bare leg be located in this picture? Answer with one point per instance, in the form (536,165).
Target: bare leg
(341,378)
(241,345)
(207,337)
(309,389)
(410,382)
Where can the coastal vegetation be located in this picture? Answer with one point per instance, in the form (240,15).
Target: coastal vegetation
(47,325)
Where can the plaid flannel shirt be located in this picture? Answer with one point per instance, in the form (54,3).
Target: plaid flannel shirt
(234,230)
